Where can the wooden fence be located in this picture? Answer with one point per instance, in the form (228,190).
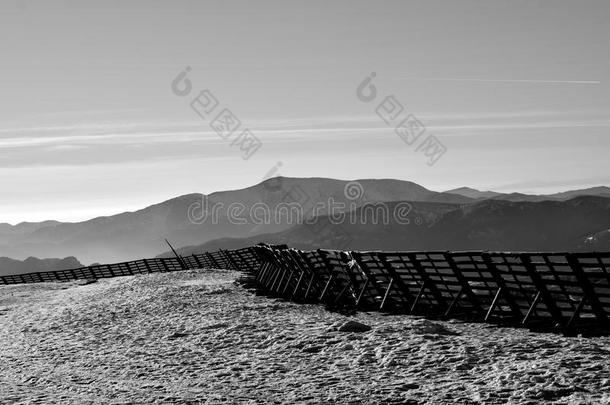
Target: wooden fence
(568,292)
(159,265)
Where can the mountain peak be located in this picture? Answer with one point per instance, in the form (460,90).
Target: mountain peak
(473,193)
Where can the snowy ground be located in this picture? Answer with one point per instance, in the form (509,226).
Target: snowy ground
(195,336)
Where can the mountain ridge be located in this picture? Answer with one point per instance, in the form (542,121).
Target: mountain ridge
(10,266)
(578,224)
(141,233)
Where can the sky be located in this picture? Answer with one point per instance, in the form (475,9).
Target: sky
(516,92)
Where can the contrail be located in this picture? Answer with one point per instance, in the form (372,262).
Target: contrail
(446,79)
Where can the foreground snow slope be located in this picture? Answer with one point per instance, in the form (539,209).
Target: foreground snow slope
(197,336)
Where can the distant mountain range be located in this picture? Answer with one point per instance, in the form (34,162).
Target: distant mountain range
(31,264)
(462,218)
(133,235)
(473,193)
(579,224)
(601,191)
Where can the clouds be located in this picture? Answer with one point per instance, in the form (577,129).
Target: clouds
(125,141)
(481,80)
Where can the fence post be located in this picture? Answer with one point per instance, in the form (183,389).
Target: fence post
(341,262)
(464,283)
(230,260)
(262,270)
(419,294)
(576,312)
(532,308)
(493,303)
(387,292)
(290,273)
(369,276)
(366,284)
(587,289)
(309,285)
(212,260)
(545,295)
(427,282)
(197,261)
(495,273)
(276,277)
(147,265)
(330,279)
(296,288)
(270,275)
(395,278)
(314,282)
(454,301)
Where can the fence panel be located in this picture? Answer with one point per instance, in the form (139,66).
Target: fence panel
(524,285)
(562,284)
(593,274)
(377,291)
(190,262)
(596,268)
(408,273)
(322,277)
(246,259)
(483,286)
(345,282)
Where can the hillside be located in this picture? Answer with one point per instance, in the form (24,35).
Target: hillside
(133,235)
(473,193)
(486,225)
(32,264)
(600,191)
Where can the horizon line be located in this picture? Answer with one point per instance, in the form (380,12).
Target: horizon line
(310,177)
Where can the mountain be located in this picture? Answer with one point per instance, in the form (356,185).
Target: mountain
(579,224)
(563,196)
(25,227)
(473,193)
(365,231)
(520,197)
(8,231)
(600,191)
(509,225)
(32,264)
(266,209)
(236,213)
